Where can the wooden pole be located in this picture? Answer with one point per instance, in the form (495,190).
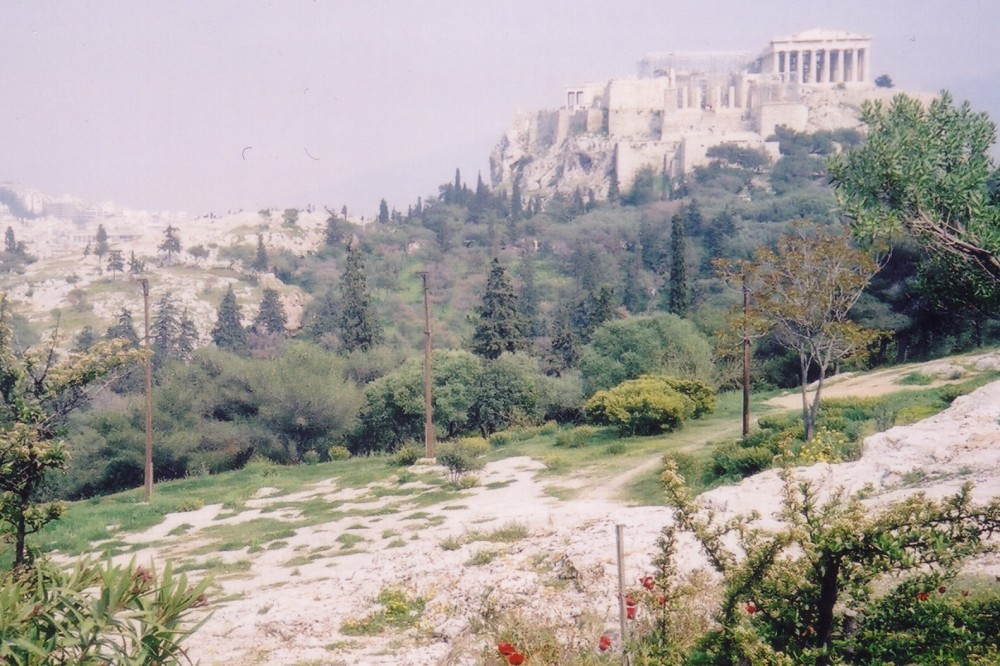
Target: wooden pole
(746,357)
(149,394)
(428,407)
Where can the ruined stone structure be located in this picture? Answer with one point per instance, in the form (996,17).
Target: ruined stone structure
(681,104)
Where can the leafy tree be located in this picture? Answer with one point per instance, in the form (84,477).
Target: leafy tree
(358,323)
(290,217)
(679,298)
(198,252)
(661,344)
(323,317)
(837,582)
(271,316)
(883,81)
(228,332)
(335,231)
(500,327)
(805,290)
(116,263)
(85,339)
(260,262)
(101,245)
(927,170)
(563,351)
(507,394)
(171,243)
(37,394)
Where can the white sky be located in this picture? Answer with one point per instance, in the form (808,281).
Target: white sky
(151,103)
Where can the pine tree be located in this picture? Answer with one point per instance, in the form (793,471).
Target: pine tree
(383,212)
(563,349)
(124,328)
(679,300)
(260,262)
(165,328)
(325,318)
(634,297)
(271,316)
(500,328)
(187,336)
(10,242)
(101,245)
(85,339)
(614,193)
(333,235)
(359,327)
(171,242)
(228,332)
(116,263)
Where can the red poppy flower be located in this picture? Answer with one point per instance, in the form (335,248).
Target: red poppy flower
(630,600)
(506,648)
(515,659)
(604,644)
(942,589)
(751,608)
(647,582)
(662,600)
(630,612)
(923,596)
(965,593)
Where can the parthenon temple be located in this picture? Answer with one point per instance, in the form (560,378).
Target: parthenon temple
(680,104)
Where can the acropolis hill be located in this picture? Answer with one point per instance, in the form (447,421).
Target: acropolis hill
(681,104)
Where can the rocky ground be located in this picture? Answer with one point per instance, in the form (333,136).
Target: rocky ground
(290,600)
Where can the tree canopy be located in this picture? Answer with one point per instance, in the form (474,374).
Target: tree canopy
(926,169)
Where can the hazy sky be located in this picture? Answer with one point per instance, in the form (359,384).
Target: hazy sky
(218,105)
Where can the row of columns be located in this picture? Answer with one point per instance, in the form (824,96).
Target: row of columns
(822,65)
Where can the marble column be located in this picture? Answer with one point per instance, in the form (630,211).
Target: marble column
(866,73)
(825,76)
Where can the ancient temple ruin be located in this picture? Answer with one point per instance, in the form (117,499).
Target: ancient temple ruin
(679,104)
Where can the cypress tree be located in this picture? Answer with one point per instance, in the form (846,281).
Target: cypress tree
(527,295)
(563,349)
(228,332)
(677,293)
(101,245)
(271,316)
(260,261)
(325,318)
(10,243)
(383,212)
(359,328)
(500,328)
(516,206)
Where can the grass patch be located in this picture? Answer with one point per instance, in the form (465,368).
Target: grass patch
(348,541)
(915,379)
(508,533)
(183,528)
(483,556)
(258,532)
(398,611)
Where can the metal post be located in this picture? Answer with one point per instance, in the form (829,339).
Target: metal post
(620,541)
(149,395)
(428,407)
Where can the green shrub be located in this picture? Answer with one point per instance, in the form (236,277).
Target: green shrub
(407,455)
(338,452)
(93,614)
(463,456)
(649,405)
(499,439)
(732,461)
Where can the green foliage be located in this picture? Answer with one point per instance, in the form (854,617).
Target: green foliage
(654,344)
(507,394)
(96,614)
(358,324)
(500,327)
(462,456)
(228,332)
(37,394)
(926,170)
(650,404)
(271,317)
(171,243)
(840,582)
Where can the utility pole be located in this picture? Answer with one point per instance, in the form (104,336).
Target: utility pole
(428,408)
(149,394)
(746,357)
